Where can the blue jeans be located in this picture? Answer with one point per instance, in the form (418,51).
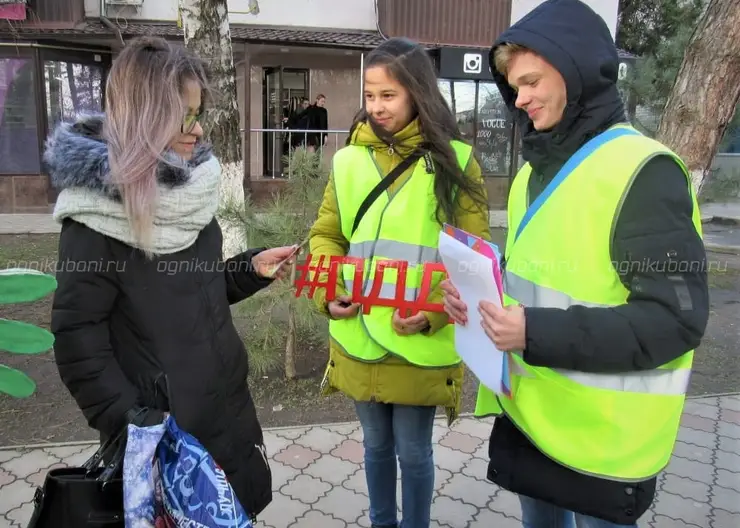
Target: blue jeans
(406,431)
(539,514)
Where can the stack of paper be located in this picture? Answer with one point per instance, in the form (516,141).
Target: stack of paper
(473,268)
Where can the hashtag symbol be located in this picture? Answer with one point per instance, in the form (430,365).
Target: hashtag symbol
(305,280)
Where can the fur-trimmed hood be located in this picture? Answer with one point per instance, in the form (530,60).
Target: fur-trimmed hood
(77,156)
(188,192)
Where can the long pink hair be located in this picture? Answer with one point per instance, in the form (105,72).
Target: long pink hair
(145,109)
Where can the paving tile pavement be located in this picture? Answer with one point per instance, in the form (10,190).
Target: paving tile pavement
(319,479)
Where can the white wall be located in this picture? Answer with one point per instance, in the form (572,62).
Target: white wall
(338,14)
(328,14)
(607,9)
(156,10)
(92,8)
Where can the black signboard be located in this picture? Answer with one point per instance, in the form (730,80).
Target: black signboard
(464,63)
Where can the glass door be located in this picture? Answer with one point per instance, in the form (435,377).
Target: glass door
(280,86)
(271,121)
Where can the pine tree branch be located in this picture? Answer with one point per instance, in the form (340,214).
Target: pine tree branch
(282,321)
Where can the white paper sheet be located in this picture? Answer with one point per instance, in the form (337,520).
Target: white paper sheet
(472,274)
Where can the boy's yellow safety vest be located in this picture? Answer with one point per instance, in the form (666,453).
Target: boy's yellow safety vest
(620,426)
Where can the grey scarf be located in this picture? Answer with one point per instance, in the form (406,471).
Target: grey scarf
(188,192)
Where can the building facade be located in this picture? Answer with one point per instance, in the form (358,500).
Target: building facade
(55,54)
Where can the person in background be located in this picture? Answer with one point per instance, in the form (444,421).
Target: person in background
(141,315)
(295,120)
(605,282)
(318,119)
(397,367)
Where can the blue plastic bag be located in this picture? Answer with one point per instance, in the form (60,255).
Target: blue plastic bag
(138,478)
(185,486)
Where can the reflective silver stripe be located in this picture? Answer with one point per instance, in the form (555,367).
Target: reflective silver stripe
(387,290)
(656,381)
(392,249)
(530,294)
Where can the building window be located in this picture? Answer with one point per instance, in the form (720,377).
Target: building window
(731,141)
(494,131)
(72,88)
(70,84)
(483,120)
(19,140)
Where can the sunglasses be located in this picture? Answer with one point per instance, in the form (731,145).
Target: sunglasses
(188,124)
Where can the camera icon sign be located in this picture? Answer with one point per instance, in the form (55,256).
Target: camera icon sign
(472,63)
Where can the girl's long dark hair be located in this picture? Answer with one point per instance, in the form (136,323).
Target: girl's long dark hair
(409,64)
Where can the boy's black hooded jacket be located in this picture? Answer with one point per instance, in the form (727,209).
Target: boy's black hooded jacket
(666,314)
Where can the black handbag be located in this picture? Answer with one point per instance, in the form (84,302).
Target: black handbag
(86,496)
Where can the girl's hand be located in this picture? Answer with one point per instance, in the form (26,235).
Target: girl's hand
(342,307)
(454,307)
(409,325)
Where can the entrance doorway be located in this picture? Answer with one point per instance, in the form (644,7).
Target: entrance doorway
(279,86)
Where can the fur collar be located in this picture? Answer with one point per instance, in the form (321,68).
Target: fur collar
(76,159)
(77,156)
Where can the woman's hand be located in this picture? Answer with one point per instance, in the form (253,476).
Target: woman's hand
(409,325)
(342,307)
(274,263)
(454,306)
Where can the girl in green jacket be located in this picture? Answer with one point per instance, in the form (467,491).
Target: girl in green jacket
(396,399)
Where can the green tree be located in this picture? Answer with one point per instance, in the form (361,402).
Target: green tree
(658,31)
(706,91)
(652,79)
(275,319)
(206,30)
(643,25)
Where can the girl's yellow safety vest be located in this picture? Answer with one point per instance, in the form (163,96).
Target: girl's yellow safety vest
(401,226)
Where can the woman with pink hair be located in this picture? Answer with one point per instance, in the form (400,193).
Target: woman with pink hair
(141,315)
